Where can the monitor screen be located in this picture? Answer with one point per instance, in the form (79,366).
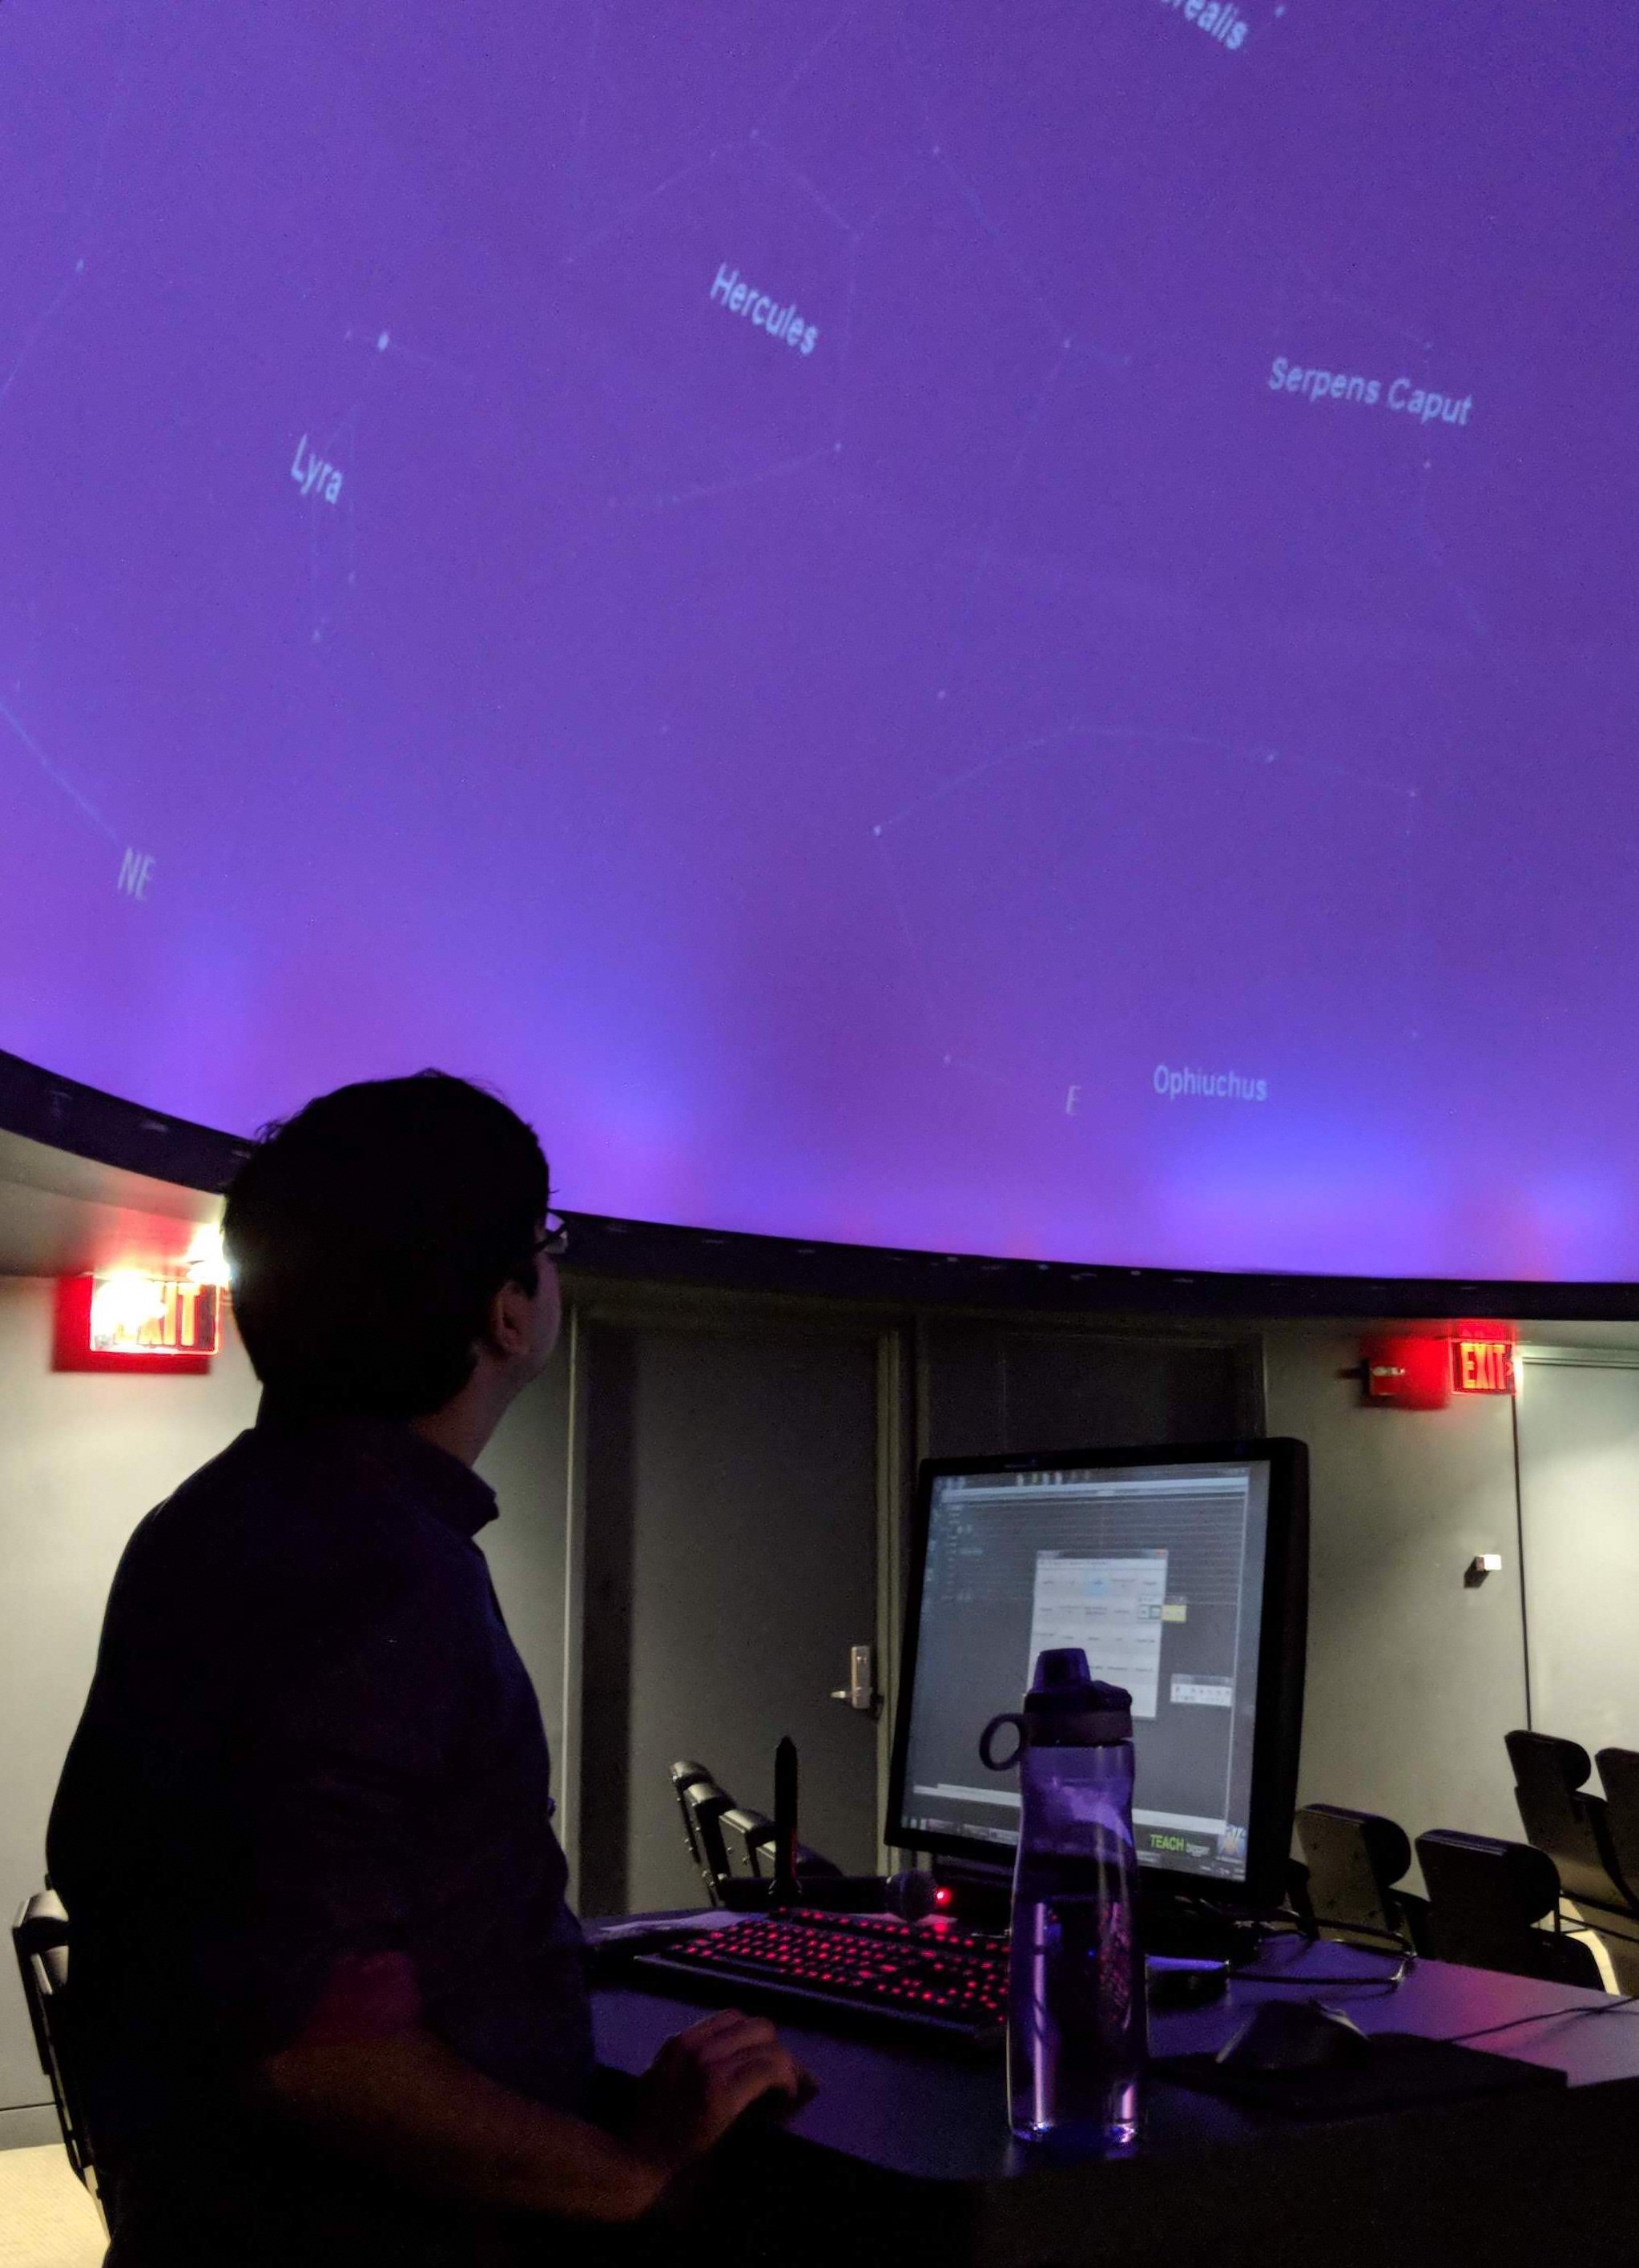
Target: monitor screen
(1158,1570)
(999,630)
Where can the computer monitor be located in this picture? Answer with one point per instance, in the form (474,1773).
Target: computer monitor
(1182,1573)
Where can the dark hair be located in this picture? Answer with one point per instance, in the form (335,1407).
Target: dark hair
(367,1236)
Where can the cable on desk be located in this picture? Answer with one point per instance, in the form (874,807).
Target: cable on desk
(1306,1927)
(1251,1974)
(1606,2007)
(1310,1931)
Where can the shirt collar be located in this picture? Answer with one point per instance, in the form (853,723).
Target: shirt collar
(392,1447)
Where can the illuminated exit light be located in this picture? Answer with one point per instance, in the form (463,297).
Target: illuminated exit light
(1483,1366)
(131,1314)
(128,1320)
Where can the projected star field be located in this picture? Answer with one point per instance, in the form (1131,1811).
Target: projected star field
(992,630)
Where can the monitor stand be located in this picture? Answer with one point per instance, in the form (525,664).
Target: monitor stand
(1183,1928)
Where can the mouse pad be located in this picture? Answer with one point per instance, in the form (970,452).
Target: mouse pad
(1398,2071)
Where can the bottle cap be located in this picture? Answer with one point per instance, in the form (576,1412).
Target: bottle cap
(1066,1707)
(1063,1688)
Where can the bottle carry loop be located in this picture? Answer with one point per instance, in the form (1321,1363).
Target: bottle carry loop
(995,1763)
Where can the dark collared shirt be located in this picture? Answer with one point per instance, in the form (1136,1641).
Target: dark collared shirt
(308,1798)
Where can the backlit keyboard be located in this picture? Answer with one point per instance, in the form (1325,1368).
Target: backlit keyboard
(932,1977)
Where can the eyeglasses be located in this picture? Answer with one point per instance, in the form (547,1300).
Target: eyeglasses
(554,1240)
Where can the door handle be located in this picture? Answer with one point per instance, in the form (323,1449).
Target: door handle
(860,1692)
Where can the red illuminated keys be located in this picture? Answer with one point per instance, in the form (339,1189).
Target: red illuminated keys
(930,1969)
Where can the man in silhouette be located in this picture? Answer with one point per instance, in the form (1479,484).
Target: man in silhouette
(330,2001)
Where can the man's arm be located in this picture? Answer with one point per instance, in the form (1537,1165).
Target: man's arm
(354,1748)
(408,2105)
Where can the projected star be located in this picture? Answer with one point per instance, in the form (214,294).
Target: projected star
(1313,318)
(1032,890)
(339,446)
(836,210)
(21,736)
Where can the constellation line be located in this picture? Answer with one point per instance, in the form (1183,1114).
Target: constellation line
(53,773)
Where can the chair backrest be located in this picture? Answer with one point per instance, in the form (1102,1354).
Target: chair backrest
(1354,1858)
(1485,1900)
(1619,1769)
(703,1804)
(1571,1826)
(40,1938)
(749,1836)
(683,1775)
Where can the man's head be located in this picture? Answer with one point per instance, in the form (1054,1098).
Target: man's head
(383,1246)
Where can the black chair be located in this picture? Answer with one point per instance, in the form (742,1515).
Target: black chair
(1619,1769)
(1559,1818)
(1579,1833)
(39,1936)
(1486,1898)
(729,1844)
(1354,1860)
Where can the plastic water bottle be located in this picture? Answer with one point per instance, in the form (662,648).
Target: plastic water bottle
(1076,2030)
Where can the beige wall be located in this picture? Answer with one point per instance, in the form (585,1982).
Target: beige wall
(81,1458)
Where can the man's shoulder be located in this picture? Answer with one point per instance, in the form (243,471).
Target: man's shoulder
(268,1504)
(227,1478)
(230,1473)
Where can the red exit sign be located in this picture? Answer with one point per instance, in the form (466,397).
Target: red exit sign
(130,1321)
(1482,1367)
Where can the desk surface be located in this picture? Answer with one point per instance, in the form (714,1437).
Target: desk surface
(905,2137)
(925,2113)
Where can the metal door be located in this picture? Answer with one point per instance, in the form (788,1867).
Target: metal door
(1578,1450)
(730,1563)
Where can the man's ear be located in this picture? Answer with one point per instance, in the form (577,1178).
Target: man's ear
(508,1324)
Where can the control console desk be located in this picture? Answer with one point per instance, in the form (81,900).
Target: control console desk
(904,2153)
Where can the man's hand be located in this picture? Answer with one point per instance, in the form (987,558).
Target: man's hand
(409,2106)
(702,2080)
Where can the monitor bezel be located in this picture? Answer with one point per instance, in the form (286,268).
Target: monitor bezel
(1281,1652)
